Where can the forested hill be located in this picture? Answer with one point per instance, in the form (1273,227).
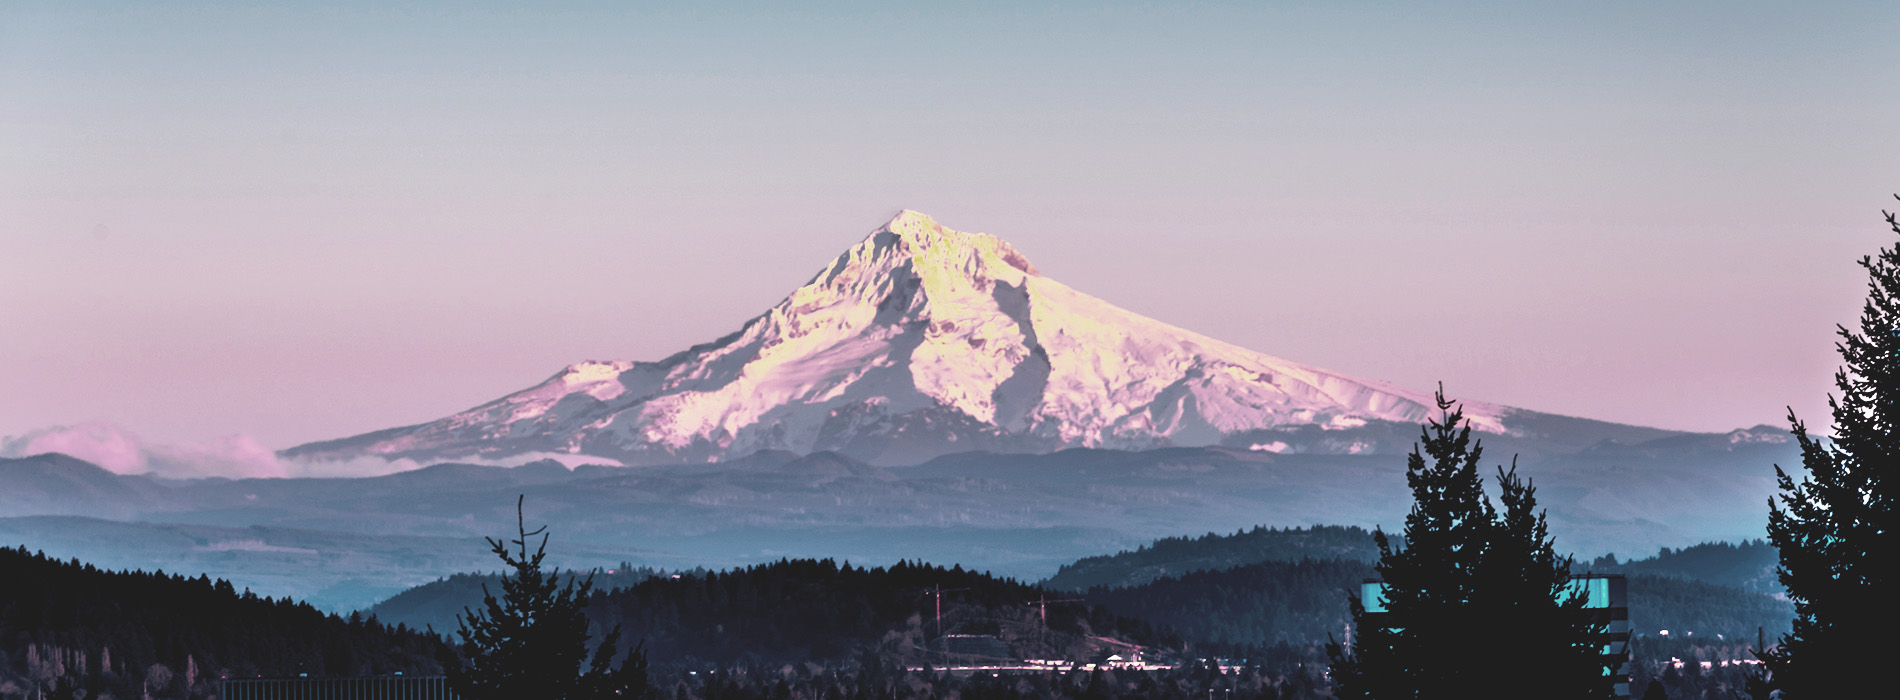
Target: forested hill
(67,626)
(1265,603)
(1176,556)
(1749,566)
(814,610)
(1690,608)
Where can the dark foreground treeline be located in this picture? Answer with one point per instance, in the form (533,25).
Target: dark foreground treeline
(813,628)
(69,630)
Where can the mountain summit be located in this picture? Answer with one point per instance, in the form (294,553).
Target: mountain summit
(918,341)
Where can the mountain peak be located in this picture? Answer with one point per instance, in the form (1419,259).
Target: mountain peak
(920,236)
(909,216)
(921,340)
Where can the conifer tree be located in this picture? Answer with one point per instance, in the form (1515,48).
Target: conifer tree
(532,641)
(1475,600)
(1835,528)
(1543,636)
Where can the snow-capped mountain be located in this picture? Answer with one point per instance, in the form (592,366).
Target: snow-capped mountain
(918,341)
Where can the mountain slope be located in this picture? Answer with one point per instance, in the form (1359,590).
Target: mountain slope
(57,484)
(918,341)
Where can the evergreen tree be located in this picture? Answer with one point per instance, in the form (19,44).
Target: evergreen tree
(1544,638)
(102,633)
(532,642)
(1835,528)
(1475,600)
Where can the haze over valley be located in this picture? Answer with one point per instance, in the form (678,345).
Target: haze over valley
(928,395)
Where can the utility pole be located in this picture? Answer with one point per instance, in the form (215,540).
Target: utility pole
(938,591)
(1042,603)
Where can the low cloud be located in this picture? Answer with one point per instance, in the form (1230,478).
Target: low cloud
(347,468)
(378,466)
(112,447)
(121,451)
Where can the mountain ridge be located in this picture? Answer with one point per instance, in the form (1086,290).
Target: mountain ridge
(918,341)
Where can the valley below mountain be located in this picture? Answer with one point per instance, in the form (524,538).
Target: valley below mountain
(346,543)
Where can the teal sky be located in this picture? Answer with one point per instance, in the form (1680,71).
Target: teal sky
(304,223)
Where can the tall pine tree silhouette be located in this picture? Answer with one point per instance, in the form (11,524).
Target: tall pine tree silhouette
(1544,641)
(1835,528)
(531,643)
(1475,600)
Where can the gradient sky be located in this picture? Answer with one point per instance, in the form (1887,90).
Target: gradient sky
(300,224)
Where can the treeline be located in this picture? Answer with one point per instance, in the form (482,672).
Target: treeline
(434,606)
(1263,603)
(71,630)
(815,627)
(819,611)
(1689,608)
(1273,602)
(1749,566)
(1177,556)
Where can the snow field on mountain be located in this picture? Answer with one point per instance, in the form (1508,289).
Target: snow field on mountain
(913,324)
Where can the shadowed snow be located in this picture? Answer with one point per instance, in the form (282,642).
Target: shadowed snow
(917,334)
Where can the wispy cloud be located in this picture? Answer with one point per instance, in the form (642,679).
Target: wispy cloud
(104,444)
(122,451)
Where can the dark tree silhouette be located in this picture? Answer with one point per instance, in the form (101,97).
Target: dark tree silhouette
(69,629)
(1543,639)
(532,642)
(1655,691)
(1835,528)
(1475,600)
(1428,582)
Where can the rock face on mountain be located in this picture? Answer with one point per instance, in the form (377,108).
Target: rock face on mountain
(916,342)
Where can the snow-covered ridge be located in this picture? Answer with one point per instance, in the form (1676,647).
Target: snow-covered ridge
(919,340)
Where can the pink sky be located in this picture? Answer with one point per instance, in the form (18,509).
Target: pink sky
(303,227)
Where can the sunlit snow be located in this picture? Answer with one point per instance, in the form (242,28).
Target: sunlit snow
(918,317)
